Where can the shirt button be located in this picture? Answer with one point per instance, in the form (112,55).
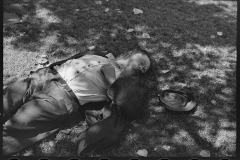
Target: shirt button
(89,65)
(99,62)
(77,72)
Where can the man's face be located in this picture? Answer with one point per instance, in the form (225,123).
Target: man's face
(136,62)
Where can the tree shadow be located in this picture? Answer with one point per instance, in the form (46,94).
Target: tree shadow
(184,40)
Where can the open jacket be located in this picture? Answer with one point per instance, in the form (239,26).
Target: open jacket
(102,133)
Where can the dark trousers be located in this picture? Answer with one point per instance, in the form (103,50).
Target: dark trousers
(34,108)
(43,87)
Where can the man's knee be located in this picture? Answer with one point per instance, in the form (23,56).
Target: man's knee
(13,94)
(18,87)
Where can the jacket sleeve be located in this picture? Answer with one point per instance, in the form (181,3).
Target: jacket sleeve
(79,55)
(103,133)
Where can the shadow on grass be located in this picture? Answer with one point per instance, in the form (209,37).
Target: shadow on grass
(183,41)
(172,22)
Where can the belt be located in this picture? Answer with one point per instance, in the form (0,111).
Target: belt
(68,90)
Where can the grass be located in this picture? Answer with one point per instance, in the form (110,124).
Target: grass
(183,41)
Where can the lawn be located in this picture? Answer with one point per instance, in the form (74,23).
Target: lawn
(192,42)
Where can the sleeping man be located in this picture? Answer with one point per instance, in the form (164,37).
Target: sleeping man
(48,99)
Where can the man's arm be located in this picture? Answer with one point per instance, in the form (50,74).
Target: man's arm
(109,73)
(79,55)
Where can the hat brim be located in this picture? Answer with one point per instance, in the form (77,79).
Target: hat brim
(176,100)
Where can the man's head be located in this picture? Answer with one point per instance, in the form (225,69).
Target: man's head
(127,93)
(135,62)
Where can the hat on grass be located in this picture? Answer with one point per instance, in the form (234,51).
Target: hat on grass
(176,100)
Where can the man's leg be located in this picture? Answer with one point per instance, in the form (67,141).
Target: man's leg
(14,95)
(18,93)
(46,112)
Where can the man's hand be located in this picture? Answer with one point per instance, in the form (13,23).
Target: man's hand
(110,57)
(109,73)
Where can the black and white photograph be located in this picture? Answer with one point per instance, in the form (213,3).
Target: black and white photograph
(119,78)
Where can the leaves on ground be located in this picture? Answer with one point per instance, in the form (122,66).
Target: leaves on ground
(167,148)
(137,11)
(42,60)
(91,48)
(165,71)
(184,43)
(142,152)
(204,153)
(219,33)
(145,35)
(11,18)
(130,30)
(98,2)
